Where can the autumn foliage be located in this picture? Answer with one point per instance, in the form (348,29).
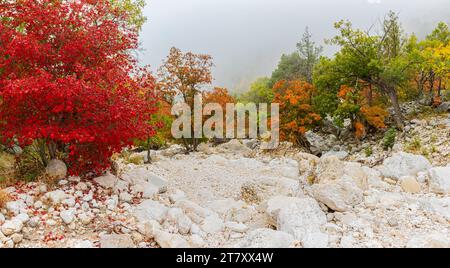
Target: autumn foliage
(296,112)
(182,76)
(68,81)
(363,114)
(218,95)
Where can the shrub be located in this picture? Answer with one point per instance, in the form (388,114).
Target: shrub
(389,138)
(296,112)
(29,165)
(368,151)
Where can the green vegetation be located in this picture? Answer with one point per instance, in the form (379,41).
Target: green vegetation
(389,138)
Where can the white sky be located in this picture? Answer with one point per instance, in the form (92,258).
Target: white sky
(247,37)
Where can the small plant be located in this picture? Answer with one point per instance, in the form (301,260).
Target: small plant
(368,151)
(415,145)
(28,166)
(433,149)
(136,159)
(433,138)
(389,138)
(311,179)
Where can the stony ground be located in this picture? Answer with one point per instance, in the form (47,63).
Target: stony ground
(235,195)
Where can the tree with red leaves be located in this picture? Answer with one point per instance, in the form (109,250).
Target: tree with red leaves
(69,83)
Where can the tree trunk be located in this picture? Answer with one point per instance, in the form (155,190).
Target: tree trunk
(398,117)
(370,97)
(52,149)
(439,87)
(149,158)
(431,83)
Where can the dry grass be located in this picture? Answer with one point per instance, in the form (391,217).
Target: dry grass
(6,169)
(4,198)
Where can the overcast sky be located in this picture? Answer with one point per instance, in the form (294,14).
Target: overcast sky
(247,37)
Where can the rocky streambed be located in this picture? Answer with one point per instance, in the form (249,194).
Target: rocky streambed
(234,196)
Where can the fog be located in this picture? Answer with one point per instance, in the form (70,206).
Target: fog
(247,37)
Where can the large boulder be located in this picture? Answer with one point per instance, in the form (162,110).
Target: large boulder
(168,240)
(266,238)
(444,107)
(177,217)
(404,164)
(409,184)
(318,144)
(431,240)
(231,210)
(142,178)
(339,154)
(56,197)
(212,224)
(339,195)
(267,187)
(107,181)
(195,212)
(306,165)
(11,226)
(303,219)
(56,169)
(331,169)
(150,210)
(440,180)
(274,205)
(286,167)
(16,207)
(233,146)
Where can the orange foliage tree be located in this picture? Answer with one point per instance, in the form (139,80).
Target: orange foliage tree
(358,106)
(218,96)
(184,75)
(296,112)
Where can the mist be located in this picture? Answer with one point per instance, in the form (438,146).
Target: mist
(247,37)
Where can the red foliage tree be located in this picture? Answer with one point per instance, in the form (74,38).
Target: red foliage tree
(69,82)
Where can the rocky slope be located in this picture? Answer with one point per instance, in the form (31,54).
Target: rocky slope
(235,195)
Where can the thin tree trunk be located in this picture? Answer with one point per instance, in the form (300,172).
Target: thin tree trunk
(431,83)
(439,87)
(149,158)
(398,117)
(370,97)
(52,148)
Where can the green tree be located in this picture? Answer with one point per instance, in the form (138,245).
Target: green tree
(289,68)
(328,79)
(441,33)
(309,54)
(259,92)
(298,65)
(432,60)
(378,60)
